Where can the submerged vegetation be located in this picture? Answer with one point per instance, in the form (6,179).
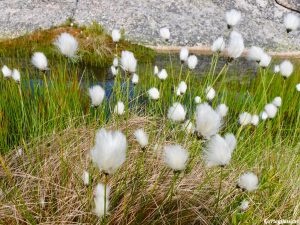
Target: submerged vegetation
(156,145)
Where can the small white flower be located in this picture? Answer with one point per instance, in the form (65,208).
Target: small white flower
(176,112)
(116,35)
(16,75)
(39,60)
(119,108)
(218,45)
(162,75)
(155,70)
(128,61)
(277,101)
(6,71)
(175,157)
(248,181)
(164,33)
(153,93)
(135,78)
(181,89)
(141,137)
(265,60)
(286,68)
(255,54)
(222,110)
(291,22)
(109,151)
(271,110)
(99,199)
(184,54)
(263,115)
(188,127)
(255,120)
(210,93)
(236,45)
(85,178)
(114,70)
(232,18)
(276,69)
(97,95)
(298,87)
(208,122)
(67,45)
(115,62)
(197,100)
(192,62)
(245,118)
(244,205)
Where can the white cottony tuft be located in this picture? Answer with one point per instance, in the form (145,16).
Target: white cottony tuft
(184,54)
(85,177)
(109,152)
(164,33)
(298,87)
(236,45)
(244,205)
(128,61)
(181,89)
(39,60)
(277,101)
(197,100)
(188,126)
(175,157)
(67,45)
(291,22)
(286,68)
(231,141)
(255,54)
(265,60)
(119,108)
(218,45)
(245,118)
(218,151)
(153,93)
(99,199)
(255,120)
(232,18)
(176,112)
(210,93)
(155,70)
(248,181)
(222,110)
(192,62)
(135,78)
(6,71)
(115,62)
(97,95)
(208,122)
(271,110)
(141,137)
(116,35)
(113,70)
(16,75)
(162,75)
(19,153)
(263,115)
(276,69)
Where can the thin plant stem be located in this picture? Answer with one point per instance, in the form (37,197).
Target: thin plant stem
(219,192)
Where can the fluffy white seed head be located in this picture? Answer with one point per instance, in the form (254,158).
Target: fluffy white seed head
(85,178)
(162,75)
(116,35)
(271,110)
(236,45)
(153,93)
(263,115)
(164,33)
(156,70)
(298,87)
(222,110)
(114,70)
(277,101)
(248,181)
(244,205)
(286,68)
(16,75)
(175,157)
(97,95)
(197,99)
(119,108)
(192,62)
(255,54)
(6,71)
(218,45)
(141,137)
(99,199)
(232,17)
(176,112)
(19,152)
(265,60)
(115,62)
(135,78)
(109,151)
(208,122)
(291,22)
(245,118)
(276,69)
(128,61)
(210,93)
(231,141)
(255,120)
(184,54)
(67,45)
(188,127)
(181,89)
(39,60)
